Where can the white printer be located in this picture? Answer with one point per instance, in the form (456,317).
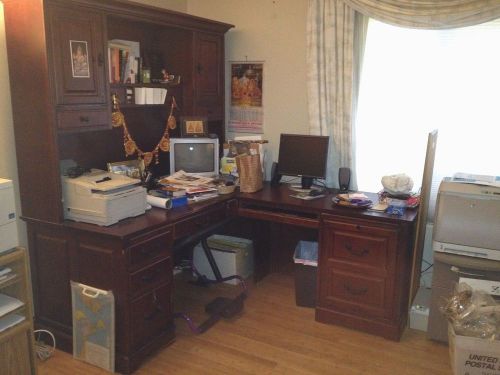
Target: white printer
(8,225)
(467,220)
(102,198)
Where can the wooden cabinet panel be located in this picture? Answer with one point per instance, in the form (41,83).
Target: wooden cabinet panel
(208,82)
(151,316)
(199,222)
(149,277)
(52,278)
(77,51)
(148,249)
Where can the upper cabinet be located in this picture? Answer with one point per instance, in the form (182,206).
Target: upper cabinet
(76,44)
(208,73)
(77,52)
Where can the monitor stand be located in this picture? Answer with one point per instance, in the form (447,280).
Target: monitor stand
(307,182)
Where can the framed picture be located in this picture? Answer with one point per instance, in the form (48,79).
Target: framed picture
(195,126)
(79,59)
(131,168)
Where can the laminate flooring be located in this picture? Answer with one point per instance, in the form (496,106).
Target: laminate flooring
(273,336)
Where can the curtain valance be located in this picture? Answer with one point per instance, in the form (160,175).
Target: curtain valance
(428,14)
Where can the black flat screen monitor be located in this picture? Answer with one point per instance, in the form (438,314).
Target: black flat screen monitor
(304,156)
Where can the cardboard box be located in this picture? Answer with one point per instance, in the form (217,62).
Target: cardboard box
(473,356)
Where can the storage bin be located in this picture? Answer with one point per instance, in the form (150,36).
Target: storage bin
(305,270)
(233,255)
(473,356)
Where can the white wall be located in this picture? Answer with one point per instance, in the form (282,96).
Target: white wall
(273,31)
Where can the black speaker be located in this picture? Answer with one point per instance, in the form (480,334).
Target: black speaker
(275,176)
(344,179)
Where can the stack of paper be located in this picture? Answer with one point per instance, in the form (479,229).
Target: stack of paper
(10,321)
(8,304)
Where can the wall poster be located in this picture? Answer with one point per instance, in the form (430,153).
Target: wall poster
(246,113)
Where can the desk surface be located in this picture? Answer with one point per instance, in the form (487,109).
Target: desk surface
(270,203)
(279,198)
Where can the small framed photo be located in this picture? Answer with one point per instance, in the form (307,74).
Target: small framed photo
(130,168)
(79,59)
(195,126)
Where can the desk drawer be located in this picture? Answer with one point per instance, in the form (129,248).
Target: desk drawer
(92,118)
(150,277)
(151,316)
(150,248)
(358,243)
(361,295)
(199,222)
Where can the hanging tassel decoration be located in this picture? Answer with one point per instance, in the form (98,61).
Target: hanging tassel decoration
(129,144)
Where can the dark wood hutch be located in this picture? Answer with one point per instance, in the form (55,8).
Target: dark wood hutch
(59,116)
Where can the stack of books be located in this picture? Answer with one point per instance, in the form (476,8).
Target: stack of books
(124,61)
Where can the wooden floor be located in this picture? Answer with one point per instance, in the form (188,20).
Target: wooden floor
(274,336)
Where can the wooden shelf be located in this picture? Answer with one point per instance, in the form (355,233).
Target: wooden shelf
(17,342)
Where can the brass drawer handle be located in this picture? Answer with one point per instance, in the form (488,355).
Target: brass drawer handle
(361,253)
(149,278)
(356,292)
(157,309)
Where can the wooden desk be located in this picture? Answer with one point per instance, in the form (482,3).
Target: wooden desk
(363,278)
(133,258)
(364,257)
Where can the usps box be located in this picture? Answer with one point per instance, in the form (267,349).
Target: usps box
(233,255)
(473,356)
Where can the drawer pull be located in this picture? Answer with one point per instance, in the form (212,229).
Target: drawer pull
(361,253)
(149,278)
(84,119)
(157,309)
(356,292)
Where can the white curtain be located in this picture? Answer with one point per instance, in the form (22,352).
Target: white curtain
(336,33)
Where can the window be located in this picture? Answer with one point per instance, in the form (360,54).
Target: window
(414,81)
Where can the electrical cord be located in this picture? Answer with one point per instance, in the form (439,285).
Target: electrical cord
(426,269)
(42,350)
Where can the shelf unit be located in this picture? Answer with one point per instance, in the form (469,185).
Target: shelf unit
(16,341)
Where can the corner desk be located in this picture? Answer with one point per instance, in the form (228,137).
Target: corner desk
(363,275)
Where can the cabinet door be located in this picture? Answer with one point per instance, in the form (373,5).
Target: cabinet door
(77,53)
(208,76)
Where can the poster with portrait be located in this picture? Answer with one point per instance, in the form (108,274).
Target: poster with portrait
(246,113)
(79,59)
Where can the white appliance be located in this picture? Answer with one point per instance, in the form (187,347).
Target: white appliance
(102,198)
(233,255)
(8,226)
(467,220)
